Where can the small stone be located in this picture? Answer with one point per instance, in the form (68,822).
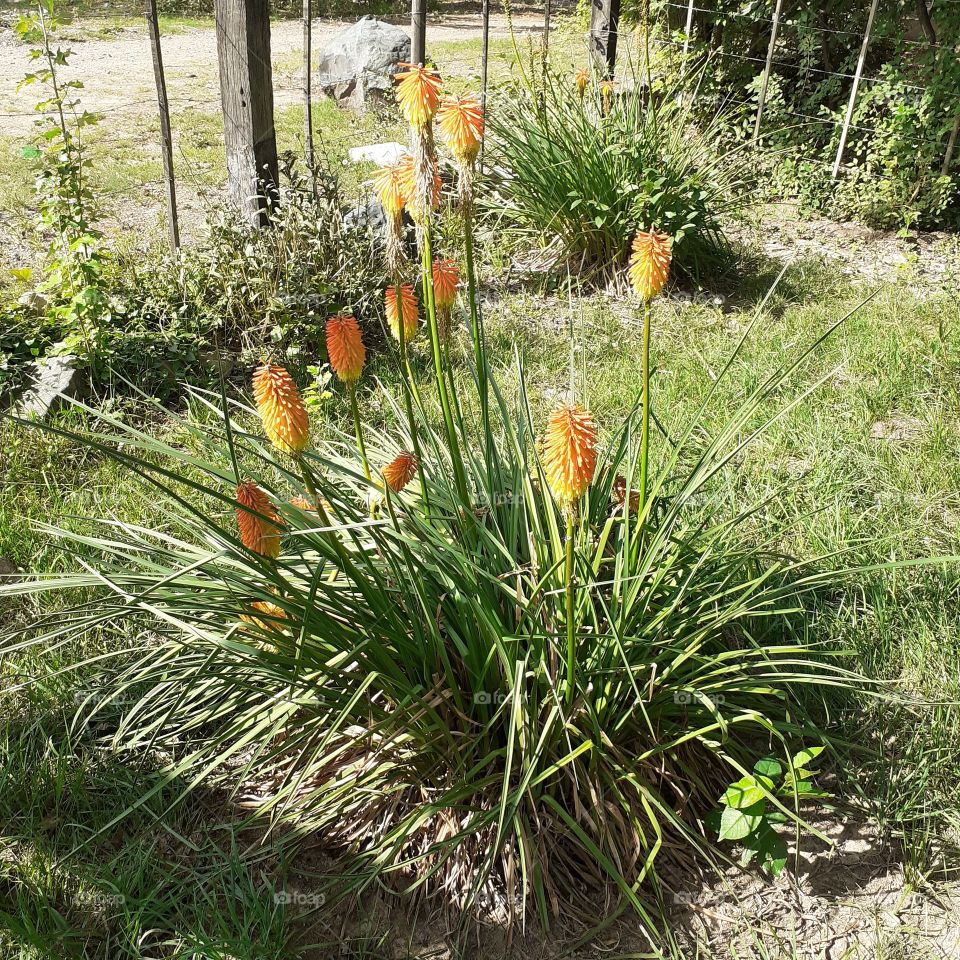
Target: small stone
(56,380)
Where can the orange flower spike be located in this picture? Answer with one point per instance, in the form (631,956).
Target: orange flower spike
(418,93)
(259,529)
(281,408)
(581,78)
(345,347)
(270,610)
(570,453)
(391,186)
(461,124)
(408,307)
(400,470)
(446,280)
(650,263)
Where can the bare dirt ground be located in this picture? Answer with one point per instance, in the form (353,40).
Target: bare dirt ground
(117,73)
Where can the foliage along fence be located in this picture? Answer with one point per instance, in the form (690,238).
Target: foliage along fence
(859,103)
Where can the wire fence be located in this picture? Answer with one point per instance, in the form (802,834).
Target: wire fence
(699,18)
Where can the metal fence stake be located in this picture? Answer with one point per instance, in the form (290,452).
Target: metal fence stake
(166,136)
(853,93)
(307,91)
(766,69)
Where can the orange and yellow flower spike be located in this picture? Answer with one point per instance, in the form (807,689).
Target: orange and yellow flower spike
(418,94)
(649,263)
(400,470)
(259,529)
(461,123)
(409,309)
(345,347)
(281,408)
(570,453)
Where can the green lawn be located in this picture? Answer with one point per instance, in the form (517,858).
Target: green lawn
(871,457)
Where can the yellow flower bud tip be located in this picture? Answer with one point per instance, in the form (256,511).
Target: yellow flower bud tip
(418,94)
(274,616)
(257,521)
(345,347)
(408,308)
(461,125)
(400,470)
(582,78)
(446,280)
(650,263)
(281,408)
(570,453)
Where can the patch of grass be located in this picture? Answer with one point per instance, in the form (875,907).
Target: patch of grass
(875,450)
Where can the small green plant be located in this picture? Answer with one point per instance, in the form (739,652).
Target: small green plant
(582,173)
(74,281)
(751,807)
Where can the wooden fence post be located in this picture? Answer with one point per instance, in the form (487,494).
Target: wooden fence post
(546,34)
(307,90)
(766,70)
(418,31)
(687,30)
(246,91)
(166,136)
(604,23)
(853,93)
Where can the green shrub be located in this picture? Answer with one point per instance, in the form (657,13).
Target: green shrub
(406,693)
(569,175)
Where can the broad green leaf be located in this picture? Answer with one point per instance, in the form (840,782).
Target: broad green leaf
(737,824)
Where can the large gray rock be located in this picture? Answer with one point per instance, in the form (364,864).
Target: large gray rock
(358,65)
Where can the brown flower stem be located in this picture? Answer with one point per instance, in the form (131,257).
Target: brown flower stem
(430,304)
(568,576)
(356,425)
(645,429)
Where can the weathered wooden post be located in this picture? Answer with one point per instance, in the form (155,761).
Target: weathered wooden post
(766,69)
(853,93)
(246,91)
(418,31)
(166,136)
(604,23)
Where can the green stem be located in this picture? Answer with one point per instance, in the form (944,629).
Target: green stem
(570,625)
(356,425)
(409,393)
(476,323)
(431,310)
(645,430)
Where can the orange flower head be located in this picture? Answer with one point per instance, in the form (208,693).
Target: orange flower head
(408,307)
(281,409)
(418,93)
(302,503)
(407,172)
(260,529)
(271,611)
(446,279)
(570,453)
(581,78)
(345,347)
(461,124)
(400,470)
(649,263)
(391,187)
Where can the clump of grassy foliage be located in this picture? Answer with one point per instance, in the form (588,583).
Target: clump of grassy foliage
(584,170)
(475,687)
